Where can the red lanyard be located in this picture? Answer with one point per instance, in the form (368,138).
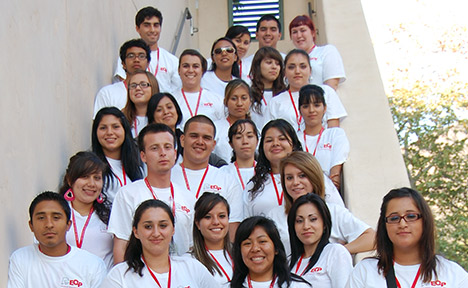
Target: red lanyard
(415,279)
(219,265)
(157,66)
(79,242)
(154,195)
(201,181)
(278,197)
(299,265)
(250,281)
(188,106)
(154,276)
(240,69)
(311,49)
(239,174)
(298,118)
(316,145)
(124,177)
(264,101)
(135,127)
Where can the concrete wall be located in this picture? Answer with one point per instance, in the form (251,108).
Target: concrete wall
(55,57)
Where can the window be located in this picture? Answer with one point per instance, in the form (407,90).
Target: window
(247,12)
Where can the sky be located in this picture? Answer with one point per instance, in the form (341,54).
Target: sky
(423,40)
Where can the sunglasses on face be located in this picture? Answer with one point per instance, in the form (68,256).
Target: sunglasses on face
(229,50)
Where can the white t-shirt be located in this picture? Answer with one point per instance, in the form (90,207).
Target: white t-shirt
(267,284)
(141,122)
(281,107)
(222,148)
(225,263)
(132,195)
(266,200)
(210,105)
(331,150)
(331,270)
(331,193)
(212,83)
(216,182)
(450,275)
(118,178)
(96,239)
(245,173)
(113,95)
(78,268)
(185,272)
(167,76)
(261,119)
(326,64)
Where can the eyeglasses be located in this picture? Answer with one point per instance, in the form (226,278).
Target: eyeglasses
(143,85)
(229,50)
(141,56)
(395,219)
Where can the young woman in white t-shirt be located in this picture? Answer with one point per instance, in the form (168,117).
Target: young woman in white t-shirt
(313,257)
(237,101)
(90,210)
(266,74)
(240,35)
(330,146)
(148,262)
(406,249)
(112,141)
(259,257)
(211,245)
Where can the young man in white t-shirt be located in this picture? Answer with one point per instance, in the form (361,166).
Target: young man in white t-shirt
(198,176)
(157,149)
(134,55)
(268,33)
(52,262)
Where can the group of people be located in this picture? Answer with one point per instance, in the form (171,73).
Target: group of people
(155,202)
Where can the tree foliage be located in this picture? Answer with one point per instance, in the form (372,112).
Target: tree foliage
(432,128)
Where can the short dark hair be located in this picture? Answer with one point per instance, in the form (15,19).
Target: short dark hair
(153,129)
(134,43)
(148,12)
(237,30)
(200,119)
(238,127)
(49,196)
(311,94)
(193,52)
(268,17)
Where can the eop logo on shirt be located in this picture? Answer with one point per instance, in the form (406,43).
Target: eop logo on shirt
(67,282)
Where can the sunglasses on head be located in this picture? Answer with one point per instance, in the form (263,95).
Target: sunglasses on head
(229,50)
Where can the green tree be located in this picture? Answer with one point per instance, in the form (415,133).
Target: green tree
(432,128)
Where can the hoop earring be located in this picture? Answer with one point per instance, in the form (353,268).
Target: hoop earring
(100,199)
(69,196)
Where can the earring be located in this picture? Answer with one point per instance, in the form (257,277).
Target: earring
(100,199)
(69,196)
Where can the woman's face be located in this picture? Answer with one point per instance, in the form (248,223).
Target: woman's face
(242,44)
(312,113)
(303,38)
(214,226)
(405,236)
(190,71)
(138,94)
(224,55)
(244,142)
(297,71)
(166,113)
(269,69)
(238,103)
(276,145)
(308,226)
(296,182)
(258,253)
(155,231)
(110,134)
(87,188)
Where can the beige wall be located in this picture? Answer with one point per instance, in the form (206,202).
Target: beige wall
(56,55)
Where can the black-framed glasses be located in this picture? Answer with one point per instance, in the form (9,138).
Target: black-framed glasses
(395,219)
(143,85)
(229,50)
(141,56)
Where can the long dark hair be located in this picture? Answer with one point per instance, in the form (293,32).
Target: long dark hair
(297,247)
(426,243)
(134,248)
(263,166)
(235,66)
(203,206)
(257,87)
(280,265)
(83,164)
(129,154)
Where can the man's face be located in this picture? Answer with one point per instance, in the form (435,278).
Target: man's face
(135,59)
(49,224)
(159,154)
(150,30)
(268,34)
(198,143)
